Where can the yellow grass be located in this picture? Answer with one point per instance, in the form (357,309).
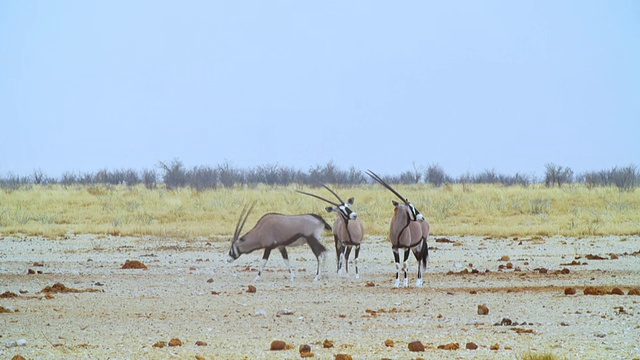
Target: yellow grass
(488,210)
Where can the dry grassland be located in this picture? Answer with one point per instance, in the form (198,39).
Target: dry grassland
(486,210)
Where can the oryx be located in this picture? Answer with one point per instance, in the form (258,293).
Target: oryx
(276,231)
(348,230)
(408,230)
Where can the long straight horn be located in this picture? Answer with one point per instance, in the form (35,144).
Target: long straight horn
(383,183)
(318,197)
(242,220)
(334,194)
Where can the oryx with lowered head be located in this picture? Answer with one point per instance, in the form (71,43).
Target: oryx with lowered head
(277,231)
(408,231)
(348,230)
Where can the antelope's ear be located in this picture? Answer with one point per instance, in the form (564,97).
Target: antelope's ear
(351,201)
(395,203)
(329,209)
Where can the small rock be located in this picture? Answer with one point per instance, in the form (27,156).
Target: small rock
(495,346)
(327,344)
(278,345)
(198,357)
(343,357)
(284,312)
(505,258)
(201,343)
(304,348)
(133,264)
(617,291)
(389,343)
(591,290)
(416,346)
(450,346)
(570,291)
(483,310)
(251,289)
(160,344)
(634,291)
(18,357)
(471,346)
(175,342)
(210,280)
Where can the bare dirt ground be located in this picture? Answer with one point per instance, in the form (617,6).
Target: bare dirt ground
(190,293)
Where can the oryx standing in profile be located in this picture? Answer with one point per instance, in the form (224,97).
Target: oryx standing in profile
(277,231)
(348,230)
(408,230)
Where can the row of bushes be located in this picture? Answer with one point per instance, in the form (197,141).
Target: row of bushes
(175,175)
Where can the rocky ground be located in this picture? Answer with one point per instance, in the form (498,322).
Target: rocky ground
(70,298)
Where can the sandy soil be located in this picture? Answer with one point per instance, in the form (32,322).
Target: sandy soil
(190,293)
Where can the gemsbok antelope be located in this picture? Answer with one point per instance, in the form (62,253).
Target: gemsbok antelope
(408,230)
(348,230)
(277,231)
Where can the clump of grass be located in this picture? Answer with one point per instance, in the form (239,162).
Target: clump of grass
(539,356)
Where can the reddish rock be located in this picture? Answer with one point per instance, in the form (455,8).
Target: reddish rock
(617,291)
(634,291)
(451,346)
(343,357)
(389,343)
(471,346)
(483,310)
(570,291)
(134,264)
(278,345)
(416,346)
(251,289)
(175,342)
(327,344)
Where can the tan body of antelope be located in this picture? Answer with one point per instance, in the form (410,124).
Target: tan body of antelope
(277,231)
(348,231)
(408,231)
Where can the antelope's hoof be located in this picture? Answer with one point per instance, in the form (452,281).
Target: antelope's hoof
(357,276)
(397,284)
(419,283)
(405,283)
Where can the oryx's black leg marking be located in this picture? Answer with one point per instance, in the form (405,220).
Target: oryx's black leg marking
(396,258)
(265,257)
(355,259)
(318,249)
(347,251)
(285,256)
(338,251)
(405,263)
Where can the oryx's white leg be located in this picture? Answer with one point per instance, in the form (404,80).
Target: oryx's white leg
(322,258)
(355,260)
(396,256)
(417,251)
(320,252)
(405,267)
(341,262)
(263,262)
(285,256)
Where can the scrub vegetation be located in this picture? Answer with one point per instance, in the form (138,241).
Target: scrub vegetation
(454,209)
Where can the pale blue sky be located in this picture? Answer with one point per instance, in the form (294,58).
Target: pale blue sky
(469,85)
